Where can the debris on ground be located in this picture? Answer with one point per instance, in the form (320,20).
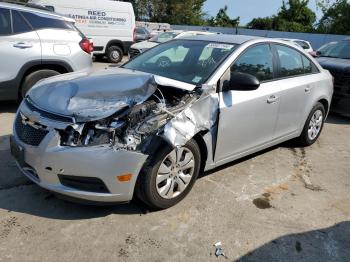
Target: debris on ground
(219,252)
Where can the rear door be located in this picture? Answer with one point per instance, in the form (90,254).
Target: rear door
(247,118)
(296,83)
(19,44)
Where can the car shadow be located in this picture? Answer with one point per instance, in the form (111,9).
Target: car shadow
(8,107)
(322,245)
(338,119)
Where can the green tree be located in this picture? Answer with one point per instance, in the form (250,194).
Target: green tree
(294,16)
(170,11)
(336,17)
(222,19)
(262,23)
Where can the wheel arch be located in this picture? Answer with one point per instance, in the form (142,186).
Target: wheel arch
(325,103)
(116,42)
(199,139)
(31,67)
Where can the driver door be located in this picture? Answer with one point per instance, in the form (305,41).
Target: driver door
(247,119)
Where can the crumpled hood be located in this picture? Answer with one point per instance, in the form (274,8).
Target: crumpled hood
(90,96)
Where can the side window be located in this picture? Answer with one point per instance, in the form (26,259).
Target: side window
(290,61)
(257,61)
(39,22)
(307,65)
(5,22)
(140,31)
(19,24)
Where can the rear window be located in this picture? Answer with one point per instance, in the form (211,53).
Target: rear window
(40,22)
(5,22)
(303,44)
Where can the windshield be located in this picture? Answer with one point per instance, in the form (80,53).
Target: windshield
(188,61)
(338,50)
(164,37)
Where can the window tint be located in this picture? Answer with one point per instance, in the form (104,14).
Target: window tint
(19,24)
(256,61)
(290,61)
(5,22)
(39,22)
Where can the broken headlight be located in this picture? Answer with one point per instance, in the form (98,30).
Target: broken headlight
(92,133)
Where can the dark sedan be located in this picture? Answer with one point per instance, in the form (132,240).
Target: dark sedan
(336,59)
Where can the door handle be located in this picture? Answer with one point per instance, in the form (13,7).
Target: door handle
(272,99)
(23,45)
(307,89)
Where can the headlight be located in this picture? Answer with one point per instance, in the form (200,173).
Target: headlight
(92,133)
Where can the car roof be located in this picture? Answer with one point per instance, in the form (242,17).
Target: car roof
(293,39)
(224,38)
(35,10)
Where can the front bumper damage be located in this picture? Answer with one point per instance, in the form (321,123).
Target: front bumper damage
(47,162)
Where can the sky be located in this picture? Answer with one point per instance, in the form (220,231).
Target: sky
(249,9)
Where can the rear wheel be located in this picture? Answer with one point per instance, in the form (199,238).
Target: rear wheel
(169,176)
(31,79)
(114,54)
(313,126)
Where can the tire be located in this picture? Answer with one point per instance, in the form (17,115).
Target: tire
(147,189)
(114,54)
(306,139)
(31,79)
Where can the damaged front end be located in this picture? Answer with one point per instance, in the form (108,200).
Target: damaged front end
(125,110)
(129,126)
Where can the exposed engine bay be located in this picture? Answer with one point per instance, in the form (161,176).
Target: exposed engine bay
(131,125)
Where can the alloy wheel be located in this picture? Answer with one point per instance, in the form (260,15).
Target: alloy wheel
(175,173)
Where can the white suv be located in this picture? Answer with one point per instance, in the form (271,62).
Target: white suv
(36,44)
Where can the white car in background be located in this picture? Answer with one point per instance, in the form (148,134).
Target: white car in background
(306,45)
(141,47)
(37,44)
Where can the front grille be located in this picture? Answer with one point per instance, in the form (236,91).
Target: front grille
(48,115)
(28,134)
(88,184)
(133,52)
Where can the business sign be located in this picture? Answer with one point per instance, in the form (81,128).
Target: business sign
(99,19)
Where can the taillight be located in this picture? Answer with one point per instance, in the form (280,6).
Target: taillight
(87,46)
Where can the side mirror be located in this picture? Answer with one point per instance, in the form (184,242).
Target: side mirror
(241,82)
(318,53)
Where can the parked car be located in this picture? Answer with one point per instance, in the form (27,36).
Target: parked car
(36,44)
(150,130)
(142,34)
(336,59)
(323,48)
(141,47)
(111,24)
(306,45)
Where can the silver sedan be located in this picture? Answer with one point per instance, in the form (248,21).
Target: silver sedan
(148,128)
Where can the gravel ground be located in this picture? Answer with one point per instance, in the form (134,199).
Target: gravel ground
(284,204)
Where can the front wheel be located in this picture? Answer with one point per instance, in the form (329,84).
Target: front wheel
(313,126)
(169,176)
